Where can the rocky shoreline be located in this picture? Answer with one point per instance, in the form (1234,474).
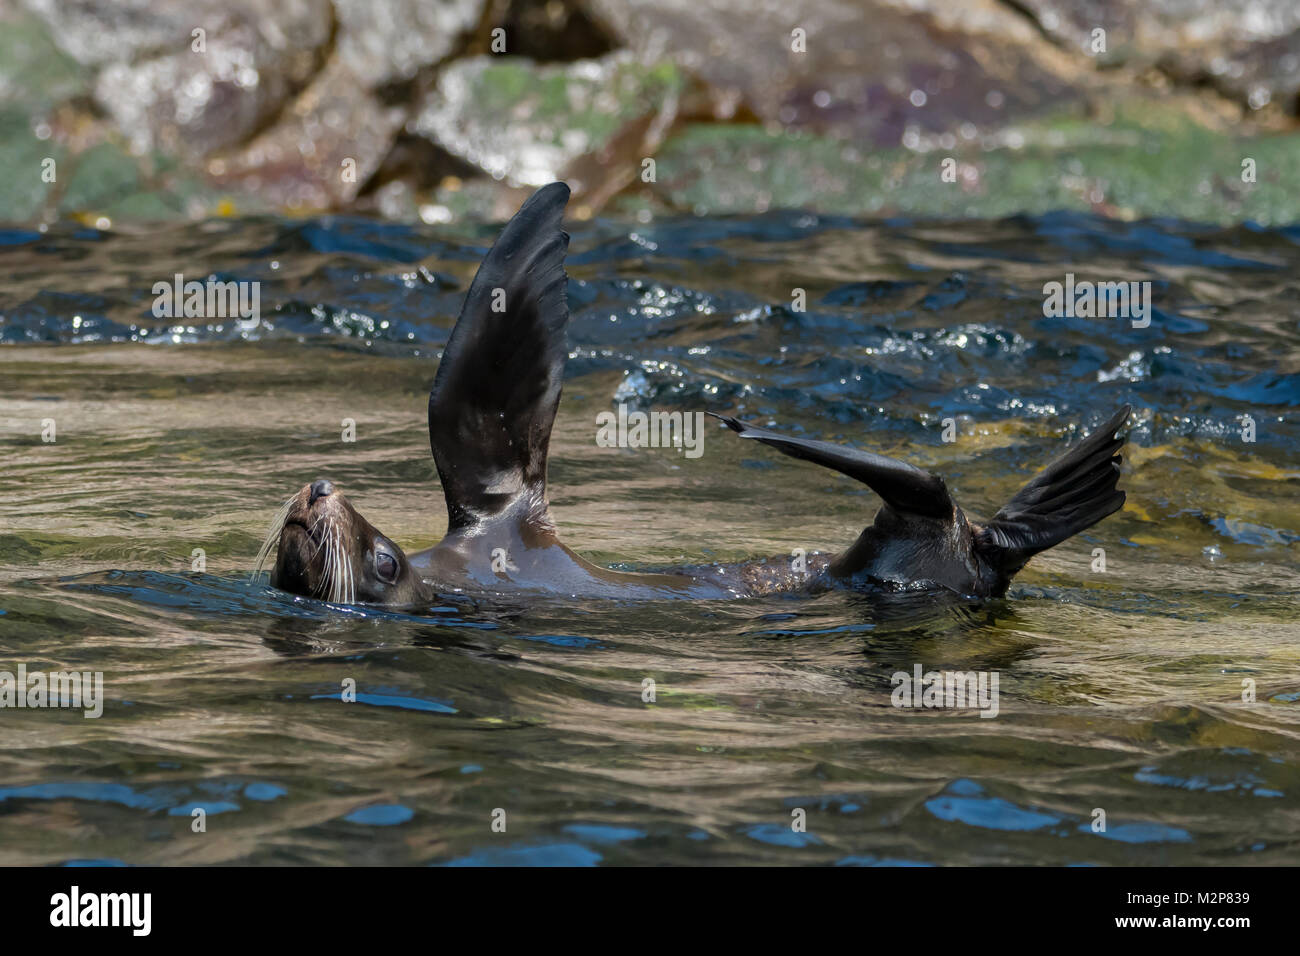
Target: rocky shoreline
(136,111)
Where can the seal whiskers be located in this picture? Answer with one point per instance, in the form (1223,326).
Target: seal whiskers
(272,536)
(349,582)
(329,568)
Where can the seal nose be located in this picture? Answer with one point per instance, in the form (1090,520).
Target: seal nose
(320,488)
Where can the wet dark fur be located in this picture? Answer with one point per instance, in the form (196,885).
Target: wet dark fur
(491,410)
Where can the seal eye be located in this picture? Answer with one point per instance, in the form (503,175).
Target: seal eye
(386,566)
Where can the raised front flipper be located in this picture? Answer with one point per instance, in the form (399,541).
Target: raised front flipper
(493,401)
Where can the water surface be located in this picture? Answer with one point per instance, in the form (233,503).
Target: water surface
(1120,690)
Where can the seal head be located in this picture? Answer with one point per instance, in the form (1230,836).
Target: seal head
(326,549)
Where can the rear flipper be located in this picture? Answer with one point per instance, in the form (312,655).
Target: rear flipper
(903,487)
(921,536)
(1070,495)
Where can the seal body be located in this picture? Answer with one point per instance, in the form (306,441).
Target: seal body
(491,410)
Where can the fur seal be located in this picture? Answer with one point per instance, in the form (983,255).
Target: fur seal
(491,410)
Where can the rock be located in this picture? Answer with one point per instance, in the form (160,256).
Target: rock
(552,30)
(385,41)
(35,74)
(326,145)
(193,96)
(1261,76)
(525,122)
(338,131)
(23,194)
(1172,166)
(98,178)
(862,74)
(43,117)
(1152,28)
(281,99)
(1248,50)
(1071,25)
(113,32)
